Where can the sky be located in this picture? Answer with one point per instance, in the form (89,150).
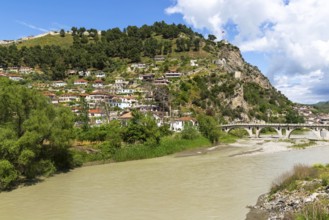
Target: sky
(287,39)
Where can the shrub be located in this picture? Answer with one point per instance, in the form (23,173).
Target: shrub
(318,210)
(8,174)
(189,133)
(288,180)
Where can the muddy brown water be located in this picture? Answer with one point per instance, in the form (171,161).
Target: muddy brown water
(208,186)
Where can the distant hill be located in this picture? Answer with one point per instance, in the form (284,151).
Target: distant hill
(322,107)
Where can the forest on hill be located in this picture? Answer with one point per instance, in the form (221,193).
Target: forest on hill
(107,51)
(224,85)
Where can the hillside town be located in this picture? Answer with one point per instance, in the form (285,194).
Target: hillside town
(110,99)
(115,99)
(311,116)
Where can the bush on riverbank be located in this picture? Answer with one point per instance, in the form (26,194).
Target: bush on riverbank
(168,145)
(301,194)
(105,151)
(318,210)
(303,145)
(289,180)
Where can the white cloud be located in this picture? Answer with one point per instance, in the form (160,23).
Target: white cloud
(32,26)
(294,34)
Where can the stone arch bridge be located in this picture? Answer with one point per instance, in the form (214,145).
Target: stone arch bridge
(321,131)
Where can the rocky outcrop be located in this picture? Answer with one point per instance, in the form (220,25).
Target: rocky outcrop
(233,62)
(284,203)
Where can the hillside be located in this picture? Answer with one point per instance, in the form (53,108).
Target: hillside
(48,40)
(322,107)
(233,90)
(219,83)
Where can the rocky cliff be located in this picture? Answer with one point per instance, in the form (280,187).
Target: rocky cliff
(234,89)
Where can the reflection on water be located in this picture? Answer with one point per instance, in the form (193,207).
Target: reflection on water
(210,186)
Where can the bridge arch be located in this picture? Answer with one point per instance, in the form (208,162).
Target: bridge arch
(247,129)
(277,129)
(315,131)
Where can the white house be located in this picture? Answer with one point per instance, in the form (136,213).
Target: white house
(179,123)
(68,97)
(170,75)
(123,102)
(100,75)
(72,72)
(81,82)
(125,91)
(15,77)
(12,69)
(25,70)
(120,83)
(98,84)
(194,63)
(59,84)
(97,97)
(51,96)
(95,113)
(138,65)
(97,116)
(161,81)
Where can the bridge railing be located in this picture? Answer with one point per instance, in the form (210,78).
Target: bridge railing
(275,125)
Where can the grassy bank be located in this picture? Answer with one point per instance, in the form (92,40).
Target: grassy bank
(101,152)
(168,145)
(306,180)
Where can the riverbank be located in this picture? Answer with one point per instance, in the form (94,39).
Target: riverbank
(273,145)
(101,153)
(302,193)
(254,146)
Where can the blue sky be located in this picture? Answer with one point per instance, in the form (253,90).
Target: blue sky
(287,39)
(17,17)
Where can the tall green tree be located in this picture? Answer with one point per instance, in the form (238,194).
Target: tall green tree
(35,136)
(62,33)
(142,128)
(208,127)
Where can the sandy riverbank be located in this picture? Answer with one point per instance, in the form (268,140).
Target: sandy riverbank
(253,146)
(271,145)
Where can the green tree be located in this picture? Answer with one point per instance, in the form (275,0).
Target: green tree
(8,174)
(212,37)
(62,33)
(34,135)
(150,47)
(83,117)
(142,128)
(189,132)
(209,128)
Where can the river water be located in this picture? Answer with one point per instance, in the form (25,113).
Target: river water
(210,186)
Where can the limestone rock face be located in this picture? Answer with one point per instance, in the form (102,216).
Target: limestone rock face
(235,64)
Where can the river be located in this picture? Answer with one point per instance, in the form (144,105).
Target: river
(205,187)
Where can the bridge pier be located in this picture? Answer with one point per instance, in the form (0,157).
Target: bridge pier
(326,134)
(249,130)
(317,132)
(279,131)
(288,132)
